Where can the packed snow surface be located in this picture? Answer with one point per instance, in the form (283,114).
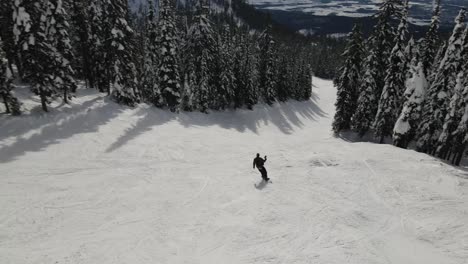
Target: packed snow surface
(100,183)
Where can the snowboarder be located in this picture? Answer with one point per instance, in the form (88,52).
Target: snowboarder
(259,162)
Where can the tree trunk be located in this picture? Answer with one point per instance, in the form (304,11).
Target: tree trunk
(459,155)
(43,100)
(65,95)
(381,139)
(19,66)
(5,101)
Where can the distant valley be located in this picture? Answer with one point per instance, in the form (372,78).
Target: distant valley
(332,17)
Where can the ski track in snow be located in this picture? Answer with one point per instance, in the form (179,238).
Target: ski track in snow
(95,182)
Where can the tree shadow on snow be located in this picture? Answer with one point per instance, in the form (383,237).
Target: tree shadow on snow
(52,128)
(86,118)
(147,119)
(285,116)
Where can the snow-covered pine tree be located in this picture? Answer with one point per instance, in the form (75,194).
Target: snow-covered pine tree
(6,34)
(150,91)
(348,82)
(12,104)
(57,29)
(306,82)
(391,99)
(30,33)
(455,112)
(267,73)
(246,92)
(460,138)
(431,40)
(224,75)
(123,69)
(383,39)
(98,36)
(239,58)
(199,52)
(441,90)
(169,78)
(363,117)
(449,140)
(283,85)
(416,87)
(432,72)
(411,53)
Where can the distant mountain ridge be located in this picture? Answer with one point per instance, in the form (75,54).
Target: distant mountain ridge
(420,10)
(338,16)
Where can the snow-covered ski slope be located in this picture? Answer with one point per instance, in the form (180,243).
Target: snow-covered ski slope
(98,183)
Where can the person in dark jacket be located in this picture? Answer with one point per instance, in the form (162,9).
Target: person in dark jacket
(259,163)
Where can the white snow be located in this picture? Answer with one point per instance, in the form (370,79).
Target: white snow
(96,182)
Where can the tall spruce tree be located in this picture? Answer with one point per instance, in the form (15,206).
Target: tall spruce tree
(348,83)
(267,65)
(440,92)
(6,34)
(150,90)
(98,36)
(30,31)
(57,31)
(224,75)
(383,39)
(169,78)
(416,87)
(199,50)
(123,74)
(460,138)
(455,112)
(391,98)
(431,40)
(366,109)
(11,103)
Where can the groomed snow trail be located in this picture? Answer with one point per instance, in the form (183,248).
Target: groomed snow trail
(100,183)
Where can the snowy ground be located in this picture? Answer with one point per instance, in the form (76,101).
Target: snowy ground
(100,183)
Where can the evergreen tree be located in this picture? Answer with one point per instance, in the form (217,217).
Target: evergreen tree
(30,31)
(224,75)
(150,91)
(431,40)
(57,33)
(123,69)
(306,82)
(436,106)
(98,36)
(390,100)
(169,78)
(199,51)
(363,117)
(460,138)
(249,92)
(267,66)
(383,39)
(12,104)
(405,126)
(348,82)
(6,34)
(455,112)
(283,84)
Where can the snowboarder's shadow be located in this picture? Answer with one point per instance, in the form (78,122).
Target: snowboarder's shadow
(261,185)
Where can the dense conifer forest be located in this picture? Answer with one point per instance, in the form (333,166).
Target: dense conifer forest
(414,91)
(193,57)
